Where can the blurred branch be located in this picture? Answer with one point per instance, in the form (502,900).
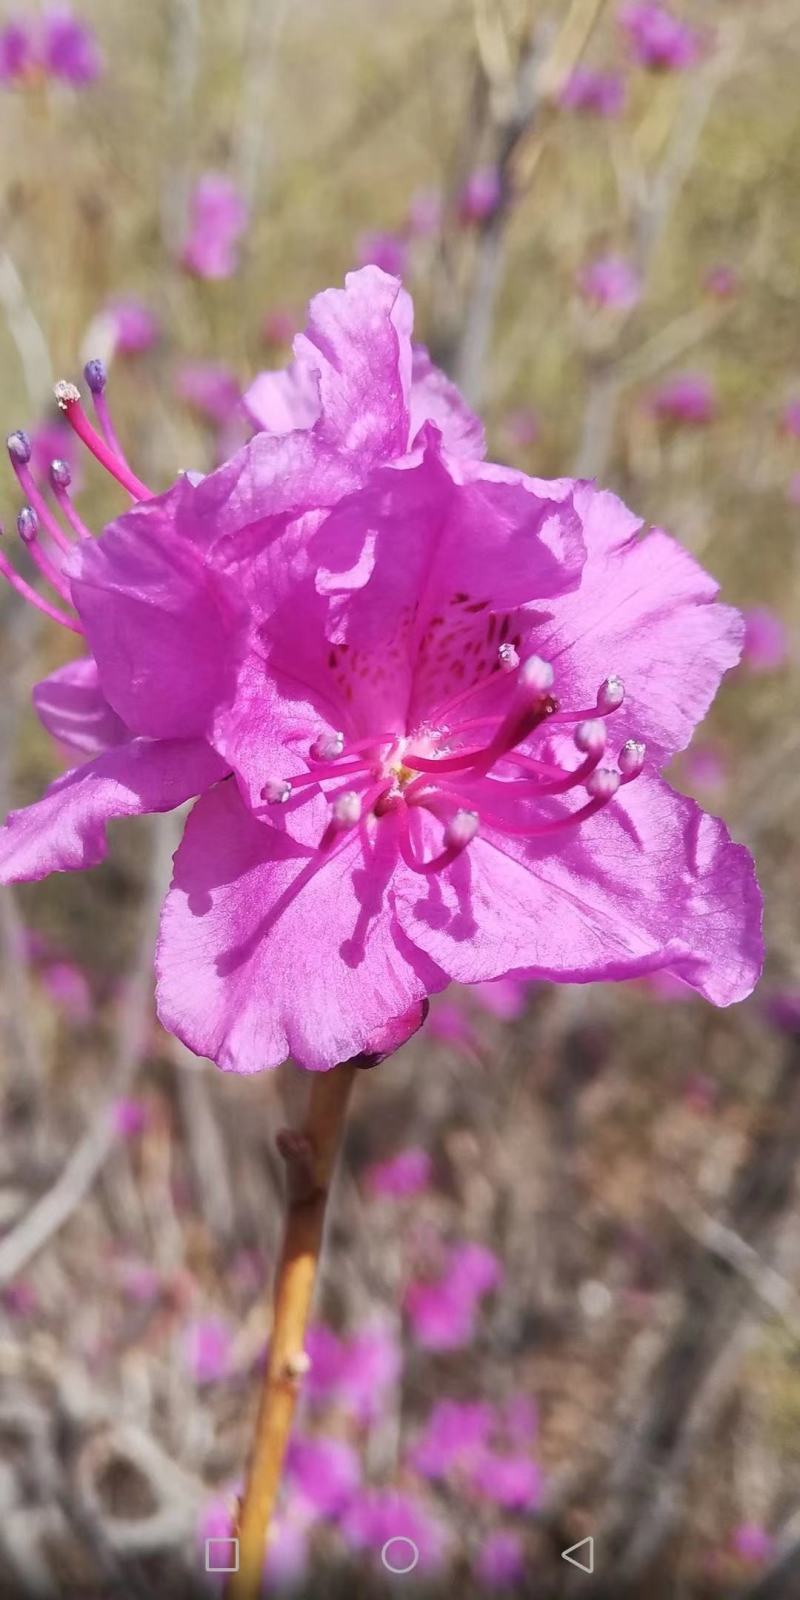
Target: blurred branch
(57,1205)
(26,332)
(263,29)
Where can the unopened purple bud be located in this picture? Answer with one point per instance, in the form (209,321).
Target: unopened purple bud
(60,474)
(96,376)
(19,447)
(27,524)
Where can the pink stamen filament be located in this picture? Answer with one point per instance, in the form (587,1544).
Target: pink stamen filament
(48,569)
(79,422)
(27,593)
(541,829)
(107,428)
(68,511)
(437,863)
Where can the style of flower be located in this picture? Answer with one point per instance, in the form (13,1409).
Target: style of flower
(414,714)
(589,90)
(660,41)
(610,282)
(218,217)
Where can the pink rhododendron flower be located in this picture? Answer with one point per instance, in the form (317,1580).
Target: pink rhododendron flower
(404,1175)
(210,388)
(385,250)
(706,768)
(129,1117)
(589,90)
(504,998)
(501,1559)
(790,418)
(136,327)
(511,1481)
(752,1543)
(659,40)
(453,1437)
(69,48)
(480,195)
(217,219)
(279,327)
(442,1311)
(68,987)
(355,1373)
(17,50)
(721,281)
(207,1345)
(427,748)
(323,1474)
(377,1515)
(766,643)
(688,397)
(610,282)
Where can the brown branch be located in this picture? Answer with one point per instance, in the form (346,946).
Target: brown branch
(310,1158)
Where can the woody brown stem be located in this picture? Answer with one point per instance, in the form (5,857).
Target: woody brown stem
(310,1157)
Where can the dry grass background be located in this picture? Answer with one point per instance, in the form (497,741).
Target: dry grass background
(569,1144)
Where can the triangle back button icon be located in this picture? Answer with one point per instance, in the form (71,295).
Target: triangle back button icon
(580,1555)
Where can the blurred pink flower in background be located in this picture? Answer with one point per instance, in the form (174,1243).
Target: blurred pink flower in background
(686,397)
(69,47)
(287,1549)
(511,1481)
(138,1280)
(721,281)
(766,642)
(448,1022)
(403,1175)
(19,1299)
(752,1543)
(700,1093)
(355,1372)
(480,195)
(453,1436)
(378,1515)
(500,1561)
(218,217)
(590,90)
(706,767)
(504,998)
(207,1346)
(129,1117)
(660,41)
(52,441)
(210,388)
(441,1311)
(790,418)
(136,326)
(58,45)
(782,1007)
(279,326)
(611,282)
(17,50)
(424,213)
(323,1473)
(385,250)
(521,425)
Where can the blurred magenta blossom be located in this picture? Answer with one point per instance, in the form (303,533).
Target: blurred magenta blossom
(136,328)
(207,1345)
(611,282)
(441,1310)
(752,1543)
(424,213)
(129,1117)
(790,419)
(323,1474)
(766,642)
(406,1174)
(218,217)
(279,326)
(480,195)
(210,388)
(721,281)
(501,1560)
(448,1022)
(58,45)
(355,1373)
(706,767)
(521,425)
(388,251)
(378,1515)
(287,1548)
(686,397)
(452,1439)
(660,41)
(588,89)
(343,641)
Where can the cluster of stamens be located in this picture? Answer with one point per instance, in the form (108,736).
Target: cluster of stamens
(49,530)
(391,775)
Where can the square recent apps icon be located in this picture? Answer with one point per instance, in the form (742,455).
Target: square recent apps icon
(222,1555)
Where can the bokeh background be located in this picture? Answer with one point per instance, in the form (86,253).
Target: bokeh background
(561,1294)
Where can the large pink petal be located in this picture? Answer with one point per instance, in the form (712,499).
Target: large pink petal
(268,950)
(651,882)
(157,621)
(72,707)
(645,610)
(66,829)
(351,375)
